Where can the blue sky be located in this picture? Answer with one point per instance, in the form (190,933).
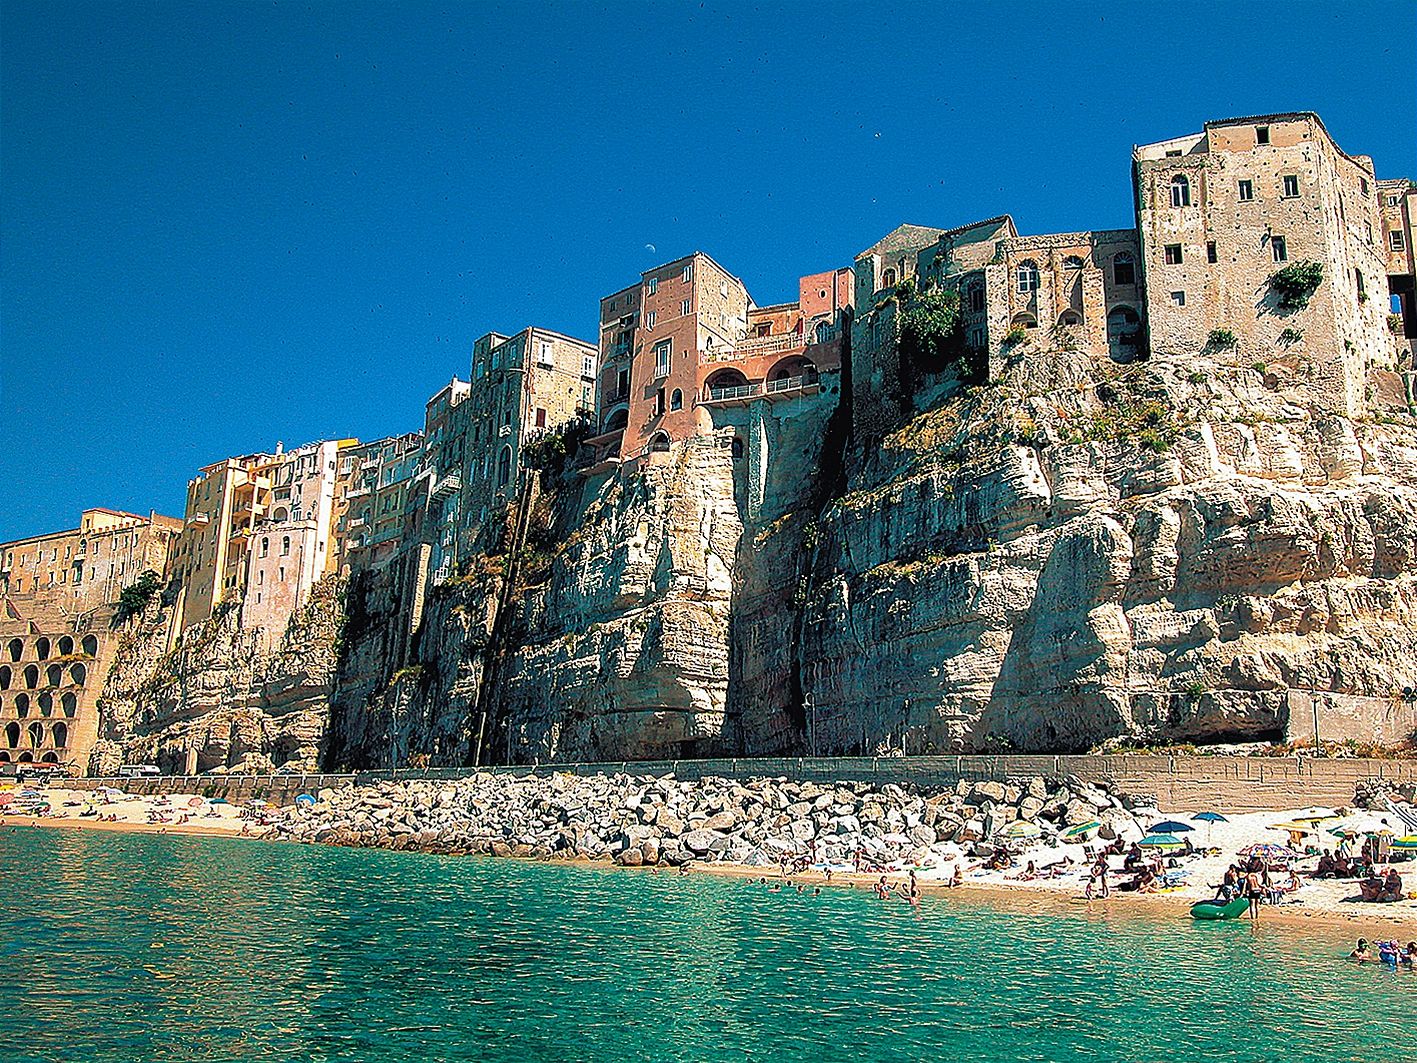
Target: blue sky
(229,224)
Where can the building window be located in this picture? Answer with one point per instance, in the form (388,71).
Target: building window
(1262,134)
(976,298)
(1124,270)
(265,547)
(1396,240)
(1174,153)
(689,272)
(676,400)
(622,383)
(685,307)
(540,417)
(1247,191)
(1180,191)
(652,285)
(888,278)
(1027,276)
(1179,298)
(651,318)
(1072,262)
(285,546)
(1362,291)
(659,402)
(587,365)
(543,355)
(1173,254)
(1363,186)
(1291,186)
(1280,248)
(662,352)
(976,339)
(1210,254)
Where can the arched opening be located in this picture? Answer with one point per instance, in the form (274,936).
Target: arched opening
(59,735)
(281,515)
(31,676)
(16,649)
(1124,269)
(285,546)
(888,278)
(1024,321)
(22,705)
(90,645)
(676,399)
(12,734)
(5,676)
(736,447)
(66,646)
(46,704)
(4,757)
(78,674)
(1123,333)
(41,648)
(54,675)
(504,466)
(1070,317)
(793,367)
(265,546)
(1072,262)
(35,735)
(659,443)
(49,758)
(618,419)
(69,705)
(726,384)
(823,331)
(1027,276)
(1180,191)
(25,758)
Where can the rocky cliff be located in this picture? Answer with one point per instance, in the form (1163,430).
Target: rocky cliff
(219,700)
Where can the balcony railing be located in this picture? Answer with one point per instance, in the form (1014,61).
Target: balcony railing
(661,370)
(792,383)
(735,393)
(448,486)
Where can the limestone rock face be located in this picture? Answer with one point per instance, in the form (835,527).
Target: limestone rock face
(218,701)
(1016,570)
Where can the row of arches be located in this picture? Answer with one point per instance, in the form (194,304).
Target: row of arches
(26,757)
(34,735)
(54,676)
(44,647)
(23,704)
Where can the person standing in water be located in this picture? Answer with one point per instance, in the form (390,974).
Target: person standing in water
(1255,889)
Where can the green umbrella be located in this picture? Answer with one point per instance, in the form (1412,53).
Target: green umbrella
(1162,841)
(1081,829)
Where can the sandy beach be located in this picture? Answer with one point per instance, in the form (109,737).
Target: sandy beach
(1317,902)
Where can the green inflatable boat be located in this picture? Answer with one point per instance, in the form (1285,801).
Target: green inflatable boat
(1218,910)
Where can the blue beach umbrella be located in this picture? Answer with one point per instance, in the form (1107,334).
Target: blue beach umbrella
(1162,841)
(304,800)
(1170,826)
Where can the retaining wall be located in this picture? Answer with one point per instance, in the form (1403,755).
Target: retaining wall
(1181,784)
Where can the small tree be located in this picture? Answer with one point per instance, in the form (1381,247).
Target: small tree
(1296,283)
(134,598)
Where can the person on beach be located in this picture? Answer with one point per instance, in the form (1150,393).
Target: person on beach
(1254,890)
(1409,958)
(913,891)
(1360,953)
(1098,877)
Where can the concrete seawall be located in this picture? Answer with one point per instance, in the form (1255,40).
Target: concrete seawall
(1181,784)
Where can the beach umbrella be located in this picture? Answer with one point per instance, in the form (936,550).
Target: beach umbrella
(304,800)
(1020,828)
(1210,819)
(195,802)
(1170,826)
(1162,841)
(1314,814)
(6,798)
(1407,844)
(1362,823)
(1081,829)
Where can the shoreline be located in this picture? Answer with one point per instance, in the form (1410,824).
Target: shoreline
(1022,898)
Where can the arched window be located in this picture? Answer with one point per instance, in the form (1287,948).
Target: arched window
(659,443)
(265,546)
(90,645)
(823,331)
(1123,333)
(617,420)
(1124,270)
(66,646)
(676,400)
(41,649)
(69,704)
(5,676)
(32,676)
(17,649)
(59,735)
(1070,317)
(1072,262)
(1024,321)
(736,448)
(49,758)
(54,675)
(281,515)
(1027,276)
(22,705)
(26,758)
(888,278)
(78,673)
(284,545)
(1180,191)
(35,734)
(46,704)
(12,735)
(4,757)
(504,466)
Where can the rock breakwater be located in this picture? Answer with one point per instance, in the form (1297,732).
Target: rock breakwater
(646,820)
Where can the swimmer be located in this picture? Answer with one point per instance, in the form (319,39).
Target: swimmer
(1360,953)
(817,892)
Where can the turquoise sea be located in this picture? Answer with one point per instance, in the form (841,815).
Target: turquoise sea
(144,947)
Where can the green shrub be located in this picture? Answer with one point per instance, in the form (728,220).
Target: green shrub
(134,598)
(1296,283)
(1221,339)
(1290,336)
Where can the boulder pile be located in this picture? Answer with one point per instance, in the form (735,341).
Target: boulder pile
(644,820)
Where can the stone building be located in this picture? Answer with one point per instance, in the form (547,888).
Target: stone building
(1397,204)
(58,597)
(376,500)
(435,495)
(1221,212)
(523,386)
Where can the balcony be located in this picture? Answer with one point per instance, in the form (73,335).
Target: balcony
(793,385)
(755,347)
(661,370)
(448,486)
(732,395)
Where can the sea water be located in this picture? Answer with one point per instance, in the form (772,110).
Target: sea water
(145,947)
